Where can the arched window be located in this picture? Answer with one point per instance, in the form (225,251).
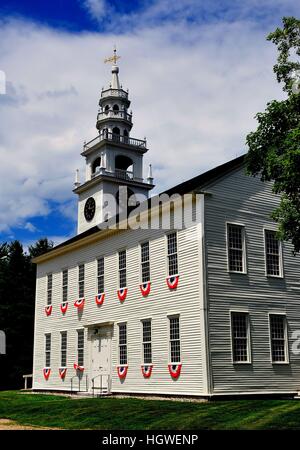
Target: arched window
(123,162)
(106,109)
(95,165)
(125,134)
(116,134)
(116,109)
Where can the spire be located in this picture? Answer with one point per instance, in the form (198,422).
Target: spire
(115,83)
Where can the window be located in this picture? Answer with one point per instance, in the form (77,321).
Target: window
(65,285)
(81,280)
(145,262)
(236,248)
(122,343)
(174,340)
(100,275)
(240,337)
(147,345)
(172,254)
(278,335)
(49,288)
(272,248)
(122,269)
(47,350)
(63,349)
(80,347)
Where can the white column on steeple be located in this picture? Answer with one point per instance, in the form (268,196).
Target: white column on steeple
(77,182)
(150,175)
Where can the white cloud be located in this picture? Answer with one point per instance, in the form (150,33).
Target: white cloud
(97,9)
(194,90)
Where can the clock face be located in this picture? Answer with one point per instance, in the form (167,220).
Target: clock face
(89,209)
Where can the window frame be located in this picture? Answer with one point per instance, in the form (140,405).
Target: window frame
(47,352)
(64,285)
(249,343)
(174,316)
(141,261)
(82,264)
(146,342)
(102,257)
(123,323)
(169,254)
(49,290)
(62,349)
(80,348)
(281,271)
(119,270)
(286,339)
(244,248)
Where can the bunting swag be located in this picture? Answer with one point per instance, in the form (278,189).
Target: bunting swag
(122,293)
(174,370)
(62,372)
(122,372)
(145,288)
(64,307)
(146,370)
(172,281)
(100,299)
(46,372)
(48,310)
(77,367)
(79,303)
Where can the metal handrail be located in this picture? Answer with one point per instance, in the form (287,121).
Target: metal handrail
(108,136)
(101,383)
(79,383)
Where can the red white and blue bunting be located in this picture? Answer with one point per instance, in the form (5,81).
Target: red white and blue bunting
(146,370)
(122,372)
(172,281)
(174,370)
(48,310)
(79,303)
(62,372)
(145,288)
(46,372)
(77,367)
(122,294)
(100,299)
(64,307)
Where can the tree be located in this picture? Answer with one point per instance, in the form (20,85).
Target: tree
(274,148)
(17,300)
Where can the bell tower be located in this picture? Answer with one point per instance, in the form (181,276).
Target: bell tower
(113,159)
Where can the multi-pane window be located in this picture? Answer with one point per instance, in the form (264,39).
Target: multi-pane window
(81,280)
(236,248)
(240,337)
(174,339)
(49,288)
(63,349)
(122,343)
(147,345)
(272,253)
(172,254)
(47,350)
(122,269)
(278,335)
(80,347)
(65,285)
(100,275)
(145,262)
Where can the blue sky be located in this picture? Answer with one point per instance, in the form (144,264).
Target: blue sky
(197,71)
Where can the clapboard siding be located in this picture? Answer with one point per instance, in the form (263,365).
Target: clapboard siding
(186,301)
(246,200)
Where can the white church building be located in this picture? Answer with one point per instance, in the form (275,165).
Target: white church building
(203,307)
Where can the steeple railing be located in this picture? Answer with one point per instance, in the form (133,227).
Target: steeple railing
(112,114)
(114,93)
(112,137)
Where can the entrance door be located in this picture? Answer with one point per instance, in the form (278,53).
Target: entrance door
(101,361)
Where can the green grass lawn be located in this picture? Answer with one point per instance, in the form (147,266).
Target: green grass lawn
(133,414)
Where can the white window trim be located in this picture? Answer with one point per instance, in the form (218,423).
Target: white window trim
(118,267)
(172,316)
(281,271)
(286,339)
(47,290)
(84,285)
(62,283)
(84,345)
(245,265)
(249,346)
(122,322)
(140,259)
(147,319)
(47,351)
(104,280)
(63,331)
(167,254)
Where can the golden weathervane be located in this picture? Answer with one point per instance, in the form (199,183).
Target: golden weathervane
(113,58)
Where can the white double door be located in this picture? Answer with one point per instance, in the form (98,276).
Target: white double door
(101,361)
